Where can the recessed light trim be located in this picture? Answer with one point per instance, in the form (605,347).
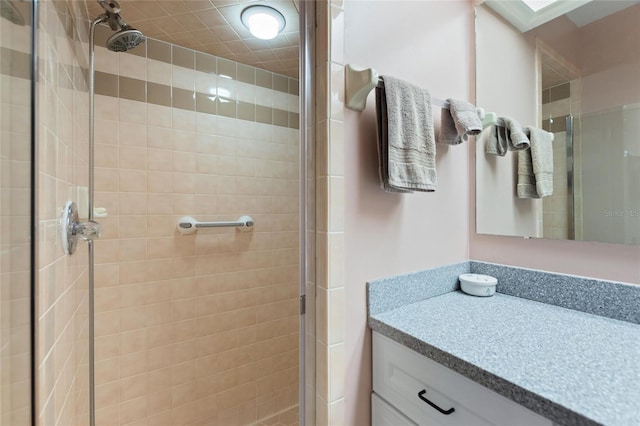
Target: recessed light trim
(263,22)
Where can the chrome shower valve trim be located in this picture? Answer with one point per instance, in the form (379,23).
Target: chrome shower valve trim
(71,228)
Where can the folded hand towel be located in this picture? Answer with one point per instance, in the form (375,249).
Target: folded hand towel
(406,142)
(497,143)
(458,122)
(508,136)
(526,186)
(515,134)
(448,132)
(535,166)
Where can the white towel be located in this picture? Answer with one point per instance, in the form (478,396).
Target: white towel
(535,166)
(458,122)
(406,142)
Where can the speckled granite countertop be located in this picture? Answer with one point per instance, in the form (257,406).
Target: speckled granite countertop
(572,367)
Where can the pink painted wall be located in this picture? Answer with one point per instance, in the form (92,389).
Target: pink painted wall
(597,260)
(428,44)
(611,64)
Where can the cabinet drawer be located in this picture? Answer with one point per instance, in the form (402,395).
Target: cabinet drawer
(383,414)
(406,379)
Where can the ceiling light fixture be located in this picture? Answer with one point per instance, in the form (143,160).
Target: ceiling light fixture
(263,22)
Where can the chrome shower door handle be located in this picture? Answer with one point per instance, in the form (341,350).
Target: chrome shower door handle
(71,228)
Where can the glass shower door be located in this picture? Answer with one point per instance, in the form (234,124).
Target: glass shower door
(16,191)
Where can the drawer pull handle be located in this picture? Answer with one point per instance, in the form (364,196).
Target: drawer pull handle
(445,412)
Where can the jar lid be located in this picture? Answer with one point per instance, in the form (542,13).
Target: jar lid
(478,279)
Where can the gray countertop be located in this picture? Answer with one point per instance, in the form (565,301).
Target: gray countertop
(569,366)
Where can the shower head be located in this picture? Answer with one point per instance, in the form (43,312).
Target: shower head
(125,39)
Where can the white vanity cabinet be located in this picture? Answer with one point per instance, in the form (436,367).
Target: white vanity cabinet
(383,414)
(409,388)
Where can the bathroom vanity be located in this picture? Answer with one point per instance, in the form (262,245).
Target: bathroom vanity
(443,357)
(444,397)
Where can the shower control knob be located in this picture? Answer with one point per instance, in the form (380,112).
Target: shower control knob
(71,228)
(88,231)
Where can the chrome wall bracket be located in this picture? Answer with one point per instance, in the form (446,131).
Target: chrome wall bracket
(71,228)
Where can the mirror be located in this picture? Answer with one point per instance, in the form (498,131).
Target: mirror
(571,68)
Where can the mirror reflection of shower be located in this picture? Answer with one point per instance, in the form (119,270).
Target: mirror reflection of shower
(560,89)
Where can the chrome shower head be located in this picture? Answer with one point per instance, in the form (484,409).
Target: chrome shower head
(125,39)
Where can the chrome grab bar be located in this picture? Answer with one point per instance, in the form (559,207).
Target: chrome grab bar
(188,225)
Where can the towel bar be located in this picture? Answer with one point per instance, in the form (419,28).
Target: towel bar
(188,225)
(358,84)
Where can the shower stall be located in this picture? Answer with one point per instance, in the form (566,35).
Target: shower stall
(108,141)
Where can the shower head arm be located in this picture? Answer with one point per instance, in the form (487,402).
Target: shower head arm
(112,13)
(122,24)
(110,7)
(115,21)
(100,19)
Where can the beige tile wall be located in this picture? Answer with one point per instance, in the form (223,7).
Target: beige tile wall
(15,235)
(203,328)
(61,298)
(330,303)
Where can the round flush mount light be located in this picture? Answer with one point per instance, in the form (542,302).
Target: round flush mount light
(263,22)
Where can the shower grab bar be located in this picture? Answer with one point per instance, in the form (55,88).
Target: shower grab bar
(188,225)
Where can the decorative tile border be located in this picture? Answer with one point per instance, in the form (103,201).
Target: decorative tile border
(555,124)
(15,63)
(192,59)
(160,94)
(137,89)
(556,93)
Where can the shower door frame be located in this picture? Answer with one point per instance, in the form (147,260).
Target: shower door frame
(306,214)
(33,70)
(306,80)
